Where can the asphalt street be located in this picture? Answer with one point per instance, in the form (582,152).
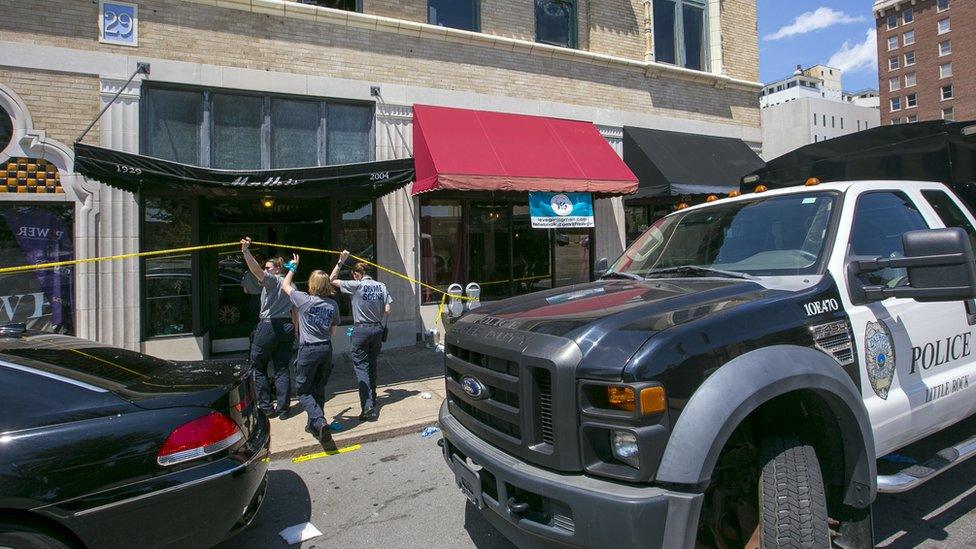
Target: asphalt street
(399,493)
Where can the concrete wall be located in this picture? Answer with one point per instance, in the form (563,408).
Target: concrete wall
(789,126)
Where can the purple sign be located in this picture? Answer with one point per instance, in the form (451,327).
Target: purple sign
(43,234)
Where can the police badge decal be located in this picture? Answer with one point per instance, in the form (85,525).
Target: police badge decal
(879,354)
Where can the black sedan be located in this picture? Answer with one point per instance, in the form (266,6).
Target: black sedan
(104,447)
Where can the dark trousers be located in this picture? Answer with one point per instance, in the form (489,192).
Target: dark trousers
(366,344)
(271,343)
(312,370)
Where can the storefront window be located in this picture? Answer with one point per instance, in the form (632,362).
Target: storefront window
(6,129)
(294,133)
(244,132)
(356,227)
(441,244)
(639,217)
(530,253)
(236,132)
(173,125)
(489,248)
(37,233)
(492,242)
(348,133)
(168,280)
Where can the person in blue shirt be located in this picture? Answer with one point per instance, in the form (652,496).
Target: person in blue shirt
(318,316)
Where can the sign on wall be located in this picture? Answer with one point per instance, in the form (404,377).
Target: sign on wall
(561,210)
(118,23)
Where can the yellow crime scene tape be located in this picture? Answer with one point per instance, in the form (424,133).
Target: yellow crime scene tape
(308,457)
(188,249)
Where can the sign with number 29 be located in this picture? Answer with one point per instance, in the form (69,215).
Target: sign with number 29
(118,23)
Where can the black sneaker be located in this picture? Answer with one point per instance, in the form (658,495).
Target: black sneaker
(367,414)
(284,414)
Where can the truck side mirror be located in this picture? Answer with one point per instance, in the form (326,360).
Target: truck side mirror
(940,265)
(601,267)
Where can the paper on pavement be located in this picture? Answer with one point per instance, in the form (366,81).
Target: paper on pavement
(299,533)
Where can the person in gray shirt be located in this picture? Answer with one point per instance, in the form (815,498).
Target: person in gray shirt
(318,316)
(272,338)
(370,308)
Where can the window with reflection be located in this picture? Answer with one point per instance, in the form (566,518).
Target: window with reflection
(172,125)
(457,14)
(491,241)
(555,22)
(680,33)
(237,121)
(249,131)
(168,223)
(441,244)
(33,233)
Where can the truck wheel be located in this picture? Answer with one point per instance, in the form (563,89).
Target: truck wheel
(792,503)
(29,536)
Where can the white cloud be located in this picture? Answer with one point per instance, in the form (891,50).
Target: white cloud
(858,56)
(821,18)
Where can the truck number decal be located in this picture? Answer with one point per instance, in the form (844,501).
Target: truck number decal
(820,307)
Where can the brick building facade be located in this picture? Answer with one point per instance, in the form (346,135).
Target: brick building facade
(57,71)
(925,67)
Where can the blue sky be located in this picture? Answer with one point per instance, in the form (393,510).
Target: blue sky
(806,32)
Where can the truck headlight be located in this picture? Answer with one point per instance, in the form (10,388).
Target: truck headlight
(624,446)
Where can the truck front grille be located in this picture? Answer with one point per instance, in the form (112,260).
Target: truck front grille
(543,383)
(500,409)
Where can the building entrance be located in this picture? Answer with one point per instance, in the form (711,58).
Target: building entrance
(291,222)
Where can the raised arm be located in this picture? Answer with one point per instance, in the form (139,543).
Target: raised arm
(252,264)
(334,275)
(286,285)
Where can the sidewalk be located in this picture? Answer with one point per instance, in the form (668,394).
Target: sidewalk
(403,375)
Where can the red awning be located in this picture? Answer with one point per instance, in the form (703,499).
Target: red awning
(468,150)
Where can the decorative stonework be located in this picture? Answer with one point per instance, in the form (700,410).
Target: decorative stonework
(31,175)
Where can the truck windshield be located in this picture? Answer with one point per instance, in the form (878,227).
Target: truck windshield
(772,236)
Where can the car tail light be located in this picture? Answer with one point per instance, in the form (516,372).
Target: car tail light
(201,437)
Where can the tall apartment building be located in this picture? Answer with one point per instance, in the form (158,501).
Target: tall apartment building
(267,84)
(810,106)
(926,66)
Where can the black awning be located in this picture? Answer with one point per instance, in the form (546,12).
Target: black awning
(673,163)
(136,173)
(923,151)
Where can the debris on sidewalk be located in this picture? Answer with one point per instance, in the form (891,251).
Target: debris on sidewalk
(429,431)
(299,533)
(425,395)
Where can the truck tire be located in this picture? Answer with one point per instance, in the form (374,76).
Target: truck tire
(792,504)
(25,535)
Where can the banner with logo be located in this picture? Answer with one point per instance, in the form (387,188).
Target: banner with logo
(561,210)
(37,234)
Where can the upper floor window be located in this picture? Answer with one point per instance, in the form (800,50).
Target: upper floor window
(945,70)
(908,16)
(894,84)
(893,63)
(943,5)
(347,5)
(909,59)
(944,26)
(555,22)
(912,119)
(910,79)
(892,21)
(892,43)
(945,48)
(947,92)
(457,14)
(911,101)
(895,104)
(949,114)
(241,131)
(6,129)
(680,33)
(908,38)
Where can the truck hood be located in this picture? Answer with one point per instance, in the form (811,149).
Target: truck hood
(610,320)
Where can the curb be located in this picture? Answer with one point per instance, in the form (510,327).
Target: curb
(312,446)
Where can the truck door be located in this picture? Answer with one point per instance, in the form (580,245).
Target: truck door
(906,349)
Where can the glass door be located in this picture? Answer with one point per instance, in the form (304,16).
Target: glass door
(282,224)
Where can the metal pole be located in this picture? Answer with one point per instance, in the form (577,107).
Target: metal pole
(141,68)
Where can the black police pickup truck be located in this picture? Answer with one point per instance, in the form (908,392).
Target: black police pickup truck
(731,380)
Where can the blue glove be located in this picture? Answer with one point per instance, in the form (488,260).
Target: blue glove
(291,267)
